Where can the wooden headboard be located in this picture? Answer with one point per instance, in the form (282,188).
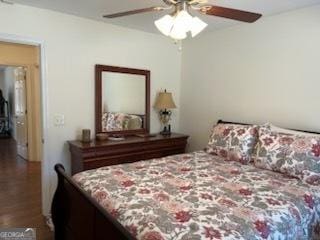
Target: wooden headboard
(227,122)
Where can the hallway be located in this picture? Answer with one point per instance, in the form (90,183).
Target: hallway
(20,192)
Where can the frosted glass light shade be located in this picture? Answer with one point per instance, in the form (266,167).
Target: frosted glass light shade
(183,20)
(179,25)
(165,24)
(197,26)
(178,33)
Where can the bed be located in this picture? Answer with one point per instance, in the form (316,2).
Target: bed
(189,196)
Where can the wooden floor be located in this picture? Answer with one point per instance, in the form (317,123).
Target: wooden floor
(20,192)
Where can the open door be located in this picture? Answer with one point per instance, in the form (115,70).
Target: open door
(20,99)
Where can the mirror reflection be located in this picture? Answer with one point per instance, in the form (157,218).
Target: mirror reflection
(123,101)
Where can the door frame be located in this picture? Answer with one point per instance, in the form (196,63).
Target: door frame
(45,164)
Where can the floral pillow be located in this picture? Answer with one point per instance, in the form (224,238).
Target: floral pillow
(233,142)
(104,122)
(115,121)
(295,155)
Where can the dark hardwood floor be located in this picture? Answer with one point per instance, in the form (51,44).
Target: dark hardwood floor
(20,192)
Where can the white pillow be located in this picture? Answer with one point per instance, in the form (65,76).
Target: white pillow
(135,122)
(288,131)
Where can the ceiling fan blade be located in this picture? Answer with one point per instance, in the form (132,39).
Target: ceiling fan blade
(136,11)
(170,2)
(197,2)
(230,13)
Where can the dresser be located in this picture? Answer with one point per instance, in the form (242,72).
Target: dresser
(85,156)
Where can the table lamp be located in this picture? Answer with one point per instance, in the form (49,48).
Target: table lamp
(163,103)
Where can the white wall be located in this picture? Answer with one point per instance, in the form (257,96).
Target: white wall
(73,46)
(267,71)
(124,93)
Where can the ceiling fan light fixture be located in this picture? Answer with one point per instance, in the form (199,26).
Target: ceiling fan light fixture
(178,25)
(181,25)
(197,26)
(178,33)
(183,20)
(165,24)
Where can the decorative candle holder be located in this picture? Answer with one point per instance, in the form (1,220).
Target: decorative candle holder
(86,135)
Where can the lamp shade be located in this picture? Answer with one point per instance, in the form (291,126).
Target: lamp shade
(165,101)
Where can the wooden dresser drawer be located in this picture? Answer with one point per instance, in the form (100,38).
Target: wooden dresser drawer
(96,154)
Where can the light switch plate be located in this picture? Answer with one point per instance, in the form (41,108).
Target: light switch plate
(59,120)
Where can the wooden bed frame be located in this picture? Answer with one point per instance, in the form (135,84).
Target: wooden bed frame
(77,216)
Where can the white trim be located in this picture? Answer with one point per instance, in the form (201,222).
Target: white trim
(45,164)
(4,37)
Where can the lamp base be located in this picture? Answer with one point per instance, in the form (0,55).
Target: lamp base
(166,131)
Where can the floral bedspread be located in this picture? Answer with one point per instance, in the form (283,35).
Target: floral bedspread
(200,196)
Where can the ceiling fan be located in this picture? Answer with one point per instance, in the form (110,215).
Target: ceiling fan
(180,22)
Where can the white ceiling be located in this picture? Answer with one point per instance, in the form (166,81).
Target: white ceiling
(94,9)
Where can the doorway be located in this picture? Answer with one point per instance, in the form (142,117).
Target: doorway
(13,107)
(21,206)
(20,103)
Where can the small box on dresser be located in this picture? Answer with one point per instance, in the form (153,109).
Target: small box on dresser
(85,156)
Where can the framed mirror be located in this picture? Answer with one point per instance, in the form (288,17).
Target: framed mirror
(122,100)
